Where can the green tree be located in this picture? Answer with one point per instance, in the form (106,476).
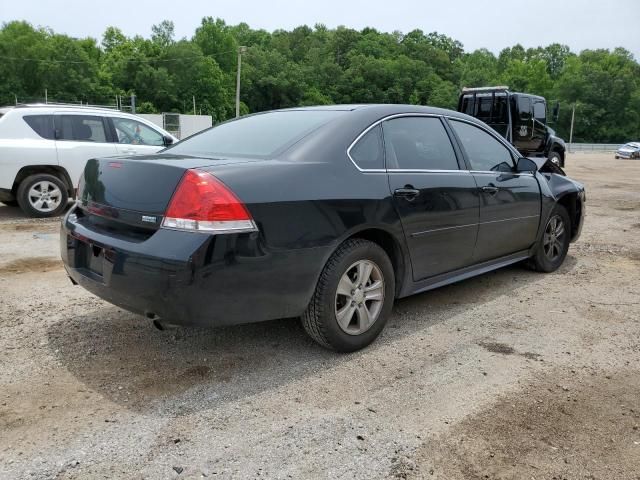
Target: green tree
(313,65)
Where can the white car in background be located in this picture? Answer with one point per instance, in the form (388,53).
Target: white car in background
(43,150)
(629,150)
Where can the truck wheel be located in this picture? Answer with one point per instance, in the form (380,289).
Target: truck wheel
(554,244)
(556,158)
(42,195)
(353,298)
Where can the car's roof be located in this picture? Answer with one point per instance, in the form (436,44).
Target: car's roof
(58,107)
(385,109)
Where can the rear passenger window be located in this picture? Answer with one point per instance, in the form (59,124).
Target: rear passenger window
(418,143)
(540,112)
(82,128)
(368,153)
(41,124)
(484,152)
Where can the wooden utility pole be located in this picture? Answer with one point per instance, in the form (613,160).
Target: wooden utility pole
(573,116)
(241,50)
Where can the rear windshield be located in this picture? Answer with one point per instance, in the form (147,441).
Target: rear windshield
(255,136)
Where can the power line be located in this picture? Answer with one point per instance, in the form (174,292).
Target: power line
(148,60)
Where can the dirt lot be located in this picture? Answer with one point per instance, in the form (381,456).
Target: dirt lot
(512,375)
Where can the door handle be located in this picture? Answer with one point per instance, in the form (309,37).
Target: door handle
(407,192)
(491,190)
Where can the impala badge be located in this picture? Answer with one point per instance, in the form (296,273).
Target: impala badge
(149,219)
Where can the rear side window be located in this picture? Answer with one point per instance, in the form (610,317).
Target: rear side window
(259,135)
(82,128)
(418,143)
(484,152)
(368,152)
(467,105)
(41,124)
(540,112)
(485,107)
(524,108)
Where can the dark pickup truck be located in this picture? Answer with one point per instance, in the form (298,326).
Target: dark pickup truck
(521,118)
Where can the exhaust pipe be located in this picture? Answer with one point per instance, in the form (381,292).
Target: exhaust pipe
(156,321)
(159,323)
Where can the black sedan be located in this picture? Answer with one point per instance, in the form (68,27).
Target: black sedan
(323,213)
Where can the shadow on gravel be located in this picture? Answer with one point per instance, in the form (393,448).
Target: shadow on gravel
(15,213)
(124,358)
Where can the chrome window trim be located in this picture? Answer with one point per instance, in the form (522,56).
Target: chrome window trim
(375,124)
(424,170)
(489,131)
(491,172)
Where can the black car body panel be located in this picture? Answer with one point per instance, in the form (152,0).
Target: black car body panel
(305,202)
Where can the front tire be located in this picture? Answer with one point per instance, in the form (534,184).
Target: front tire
(556,158)
(42,195)
(353,298)
(553,246)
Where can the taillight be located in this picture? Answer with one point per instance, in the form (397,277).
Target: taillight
(203,203)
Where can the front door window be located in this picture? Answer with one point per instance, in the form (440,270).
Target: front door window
(132,132)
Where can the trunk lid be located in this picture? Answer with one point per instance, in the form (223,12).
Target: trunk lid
(132,193)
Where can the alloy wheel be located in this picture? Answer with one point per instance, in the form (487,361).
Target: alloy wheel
(359,297)
(45,196)
(553,241)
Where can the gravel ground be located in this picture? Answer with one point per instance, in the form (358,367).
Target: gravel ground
(511,375)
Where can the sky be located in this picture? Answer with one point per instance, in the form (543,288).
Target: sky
(494,25)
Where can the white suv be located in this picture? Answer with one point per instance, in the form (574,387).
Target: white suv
(43,150)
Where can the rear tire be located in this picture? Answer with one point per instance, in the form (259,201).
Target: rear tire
(42,195)
(553,246)
(353,298)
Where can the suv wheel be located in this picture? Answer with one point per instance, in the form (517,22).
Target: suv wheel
(554,244)
(42,195)
(353,298)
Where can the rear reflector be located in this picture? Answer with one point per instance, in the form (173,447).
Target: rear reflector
(202,203)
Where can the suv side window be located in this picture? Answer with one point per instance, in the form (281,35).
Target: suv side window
(418,143)
(368,152)
(540,112)
(82,128)
(485,153)
(524,108)
(132,132)
(41,124)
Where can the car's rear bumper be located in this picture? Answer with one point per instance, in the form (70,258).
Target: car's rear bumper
(191,278)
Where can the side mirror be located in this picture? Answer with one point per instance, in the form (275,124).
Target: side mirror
(526,165)
(167,140)
(556,112)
